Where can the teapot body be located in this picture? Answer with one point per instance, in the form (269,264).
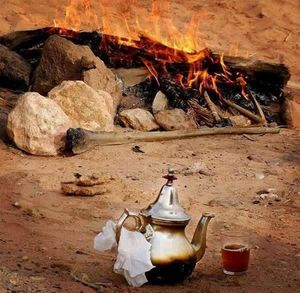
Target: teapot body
(171,253)
(163,223)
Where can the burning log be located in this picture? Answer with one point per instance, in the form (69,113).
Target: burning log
(110,49)
(80,140)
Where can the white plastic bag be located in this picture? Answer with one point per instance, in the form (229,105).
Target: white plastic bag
(133,258)
(106,239)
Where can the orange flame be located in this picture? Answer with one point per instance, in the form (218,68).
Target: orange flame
(132,24)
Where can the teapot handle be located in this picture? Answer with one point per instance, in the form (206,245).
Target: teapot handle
(127,214)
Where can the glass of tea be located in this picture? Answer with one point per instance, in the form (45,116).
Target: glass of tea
(235,252)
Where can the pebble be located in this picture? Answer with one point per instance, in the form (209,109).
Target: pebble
(16,205)
(267,190)
(255,158)
(37,278)
(259,176)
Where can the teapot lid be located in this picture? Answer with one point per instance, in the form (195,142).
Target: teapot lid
(166,207)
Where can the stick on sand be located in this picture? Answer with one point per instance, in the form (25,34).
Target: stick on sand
(80,140)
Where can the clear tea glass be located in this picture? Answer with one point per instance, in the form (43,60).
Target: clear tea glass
(235,252)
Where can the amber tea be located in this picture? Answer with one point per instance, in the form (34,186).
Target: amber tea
(235,253)
(235,258)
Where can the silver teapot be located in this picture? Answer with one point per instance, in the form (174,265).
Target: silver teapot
(163,223)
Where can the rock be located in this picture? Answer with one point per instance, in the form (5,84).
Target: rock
(25,258)
(175,119)
(240,121)
(38,125)
(133,102)
(259,176)
(62,60)
(102,78)
(160,103)
(132,76)
(14,70)
(138,119)
(72,189)
(196,168)
(267,190)
(270,197)
(16,205)
(86,107)
(255,158)
(137,149)
(292,113)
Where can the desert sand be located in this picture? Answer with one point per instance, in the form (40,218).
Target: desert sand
(45,236)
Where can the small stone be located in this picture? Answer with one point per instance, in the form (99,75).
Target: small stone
(197,167)
(175,119)
(25,258)
(255,158)
(13,282)
(240,121)
(16,205)
(267,190)
(259,176)
(137,149)
(273,124)
(160,103)
(138,119)
(37,278)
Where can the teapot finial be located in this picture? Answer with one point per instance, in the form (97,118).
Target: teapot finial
(166,207)
(170,176)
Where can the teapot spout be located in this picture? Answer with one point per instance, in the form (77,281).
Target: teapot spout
(199,238)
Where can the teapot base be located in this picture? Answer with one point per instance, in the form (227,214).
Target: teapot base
(171,273)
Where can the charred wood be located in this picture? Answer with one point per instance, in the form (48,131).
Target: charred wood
(80,140)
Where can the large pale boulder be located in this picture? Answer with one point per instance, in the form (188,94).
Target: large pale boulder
(86,107)
(62,60)
(175,119)
(138,119)
(38,125)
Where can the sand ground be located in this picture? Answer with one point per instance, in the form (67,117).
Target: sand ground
(50,235)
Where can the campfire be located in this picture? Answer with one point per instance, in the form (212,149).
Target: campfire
(210,89)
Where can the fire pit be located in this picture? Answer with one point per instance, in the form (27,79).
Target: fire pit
(184,88)
(210,87)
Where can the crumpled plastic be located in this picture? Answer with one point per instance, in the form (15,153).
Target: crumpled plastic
(133,259)
(106,240)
